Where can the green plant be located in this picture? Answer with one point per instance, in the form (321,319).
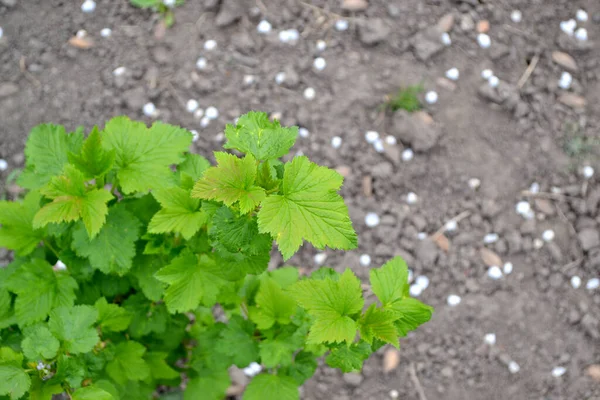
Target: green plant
(140,266)
(164,7)
(405,99)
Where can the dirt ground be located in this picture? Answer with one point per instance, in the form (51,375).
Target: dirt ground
(525,131)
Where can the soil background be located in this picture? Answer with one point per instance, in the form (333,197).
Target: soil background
(508,138)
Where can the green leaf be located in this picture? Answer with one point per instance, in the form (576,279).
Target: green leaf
(410,314)
(192,169)
(180,213)
(43,390)
(255,134)
(302,368)
(128,363)
(143,155)
(276,352)
(284,276)
(39,289)
(111,317)
(390,282)
(333,304)
(46,153)
(145,3)
(113,249)
(349,358)
(231,181)
(272,305)
(377,323)
(17,232)
(191,280)
(93,160)
(73,327)
(91,393)
(7,315)
(14,381)
(147,317)
(71,201)
(237,341)
(159,369)
(69,369)
(208,387)
(144,269)
(308,208)
(271,387)
(39,343)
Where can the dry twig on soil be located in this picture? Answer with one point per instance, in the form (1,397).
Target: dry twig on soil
(415,379)
(528,71)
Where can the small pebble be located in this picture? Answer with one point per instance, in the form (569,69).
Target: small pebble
(490,339)
(252,369)
(201,63)
(169,3)
(451,225)
(534,188)
(565,80)
(415,290)
(490,238)
(394,394)
(453,300)
(474,183)
(320,258)
(508,268)
(365,260)
(487,74)
(372,220)
(204,122)
(309,93)
(280,78)
(431,97)
(538,243)
(149,109)
(557,372)
(587,172)
(581,15)
(516,16)
(60,266)
(106,32)
(391,140)
(408,154)
(494,81)
(303,132)
(119,71)
(1,32)
(341,25)
(378,146)
(321,45)
(371,136)
(523,208)
(581,34)
(446,39)
(264,27)
(195,135)
(412,198)
(191,105)
(211,113)
(249,80)
(336,142)
(210,45)
(88,6)
(422,281)
(513,367)
(494,272)
(422,235)
(575,282)
(289,36)
(484,40)
(568,27)
(592,284)
(452,74)
(410,275)
(3,164)
(319,63)
(199,113)
(548,235)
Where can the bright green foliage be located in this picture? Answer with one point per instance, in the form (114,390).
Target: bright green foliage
(93,160)
(167,277)
(158,5)
(255,134)
(72,200)
(232,181)
(272,387)
(73,327)
(143,155)
(17,232)
(334,304)
(308,208)
(39,343)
